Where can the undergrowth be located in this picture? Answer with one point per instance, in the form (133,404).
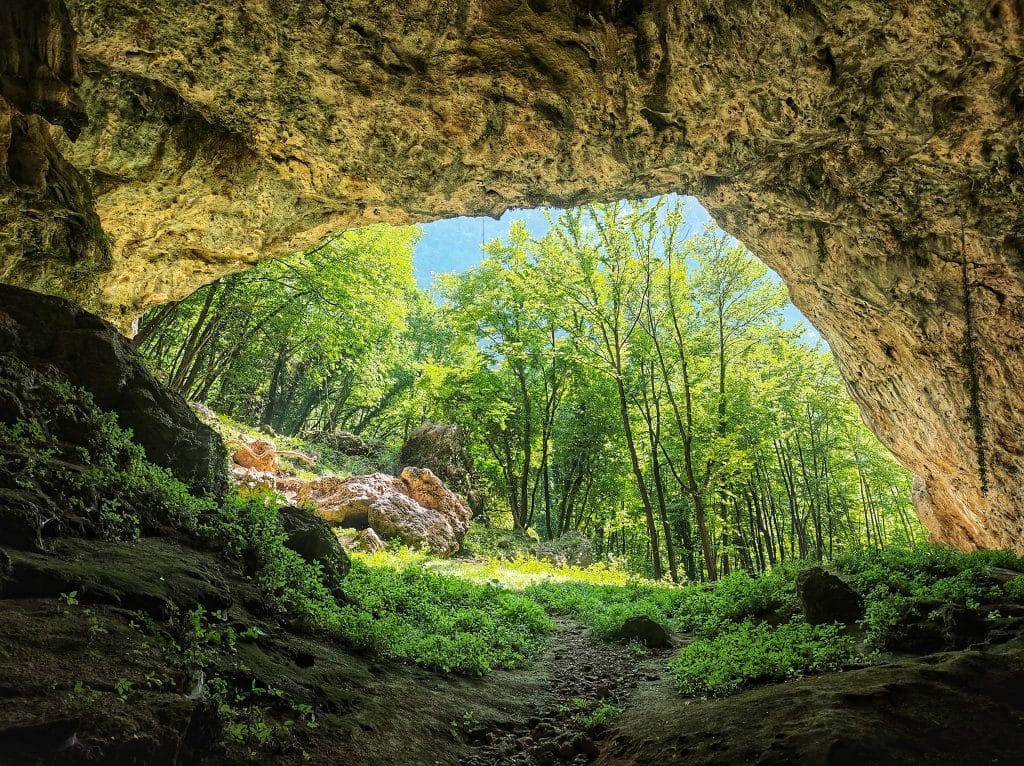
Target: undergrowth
(755,652)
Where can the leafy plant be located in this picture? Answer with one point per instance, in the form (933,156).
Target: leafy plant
(749,653)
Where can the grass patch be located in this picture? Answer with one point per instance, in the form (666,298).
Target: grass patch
(749,653)
(439,622)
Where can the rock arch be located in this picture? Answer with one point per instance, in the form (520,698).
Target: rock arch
(871,152)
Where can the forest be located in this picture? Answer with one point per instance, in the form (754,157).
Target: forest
(622,377)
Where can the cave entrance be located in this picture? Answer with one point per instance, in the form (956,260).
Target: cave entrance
(625,374)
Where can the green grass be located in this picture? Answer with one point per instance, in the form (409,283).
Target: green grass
(440,622)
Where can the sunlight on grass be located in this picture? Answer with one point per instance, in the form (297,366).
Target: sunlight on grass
(518,573)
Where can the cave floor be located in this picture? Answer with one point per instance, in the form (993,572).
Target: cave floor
(92,679)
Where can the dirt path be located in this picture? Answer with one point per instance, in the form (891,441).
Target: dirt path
(583,673)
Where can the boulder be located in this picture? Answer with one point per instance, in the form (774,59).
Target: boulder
(44,336)
(645,630)
(346,502)
(258,455)
(1002,575)
(824,598)
(253,483)
(930,625)
(368,541)
(423,486)
(311,538)
(398,516)
(414,507)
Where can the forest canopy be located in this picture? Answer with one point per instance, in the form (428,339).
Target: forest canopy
(620,377)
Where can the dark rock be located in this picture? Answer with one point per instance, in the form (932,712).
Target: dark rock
(928,626)
(586,746)
(824,598)
(53,337)
(444,449)
(645,630)
(29,741)
(346,443)
(311,538)
(154,576)
(1002,575)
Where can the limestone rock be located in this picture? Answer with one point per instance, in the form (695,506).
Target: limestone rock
(423,486)
(368,541)
(253,483)
(415,507)
(398,516)
(825,598)
(869,152)
(346,502)
(258,455)
(444,449)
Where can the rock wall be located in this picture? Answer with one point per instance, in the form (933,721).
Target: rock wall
(50,235)
(871,152)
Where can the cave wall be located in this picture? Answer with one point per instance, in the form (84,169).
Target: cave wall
(870,152)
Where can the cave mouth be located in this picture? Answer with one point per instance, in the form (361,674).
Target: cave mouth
(602,420)
(515,332)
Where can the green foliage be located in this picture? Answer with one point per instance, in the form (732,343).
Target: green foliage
(439,622)
(331,338)
(749,653)
(894,578)
(596,717)
(102,484)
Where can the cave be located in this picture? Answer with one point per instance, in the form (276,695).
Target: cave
(871,153)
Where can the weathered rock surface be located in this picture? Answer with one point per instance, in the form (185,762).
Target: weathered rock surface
(257,455)
(414,507)
(46,336)
(50,235)
(825,598)
(871,153)
(365,540)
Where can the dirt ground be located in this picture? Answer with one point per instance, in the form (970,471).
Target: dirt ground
(92,679)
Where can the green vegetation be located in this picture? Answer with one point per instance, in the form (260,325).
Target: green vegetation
(106,485)
(751,653)
(893,579)
(440,622)
(325,340)
(595,716)
(619,379)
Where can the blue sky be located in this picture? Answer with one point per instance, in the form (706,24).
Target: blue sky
(454,244)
